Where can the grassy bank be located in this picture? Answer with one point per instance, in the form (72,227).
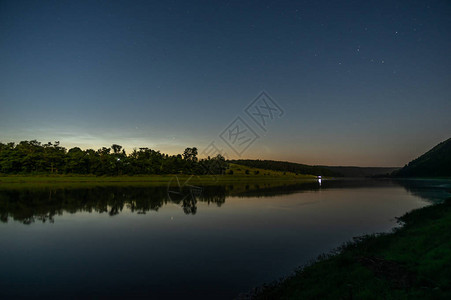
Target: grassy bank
(235,173)
(152,179)
(414,262)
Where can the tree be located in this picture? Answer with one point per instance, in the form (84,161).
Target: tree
(190,154)
(76,161)
(116,148)
(54,155)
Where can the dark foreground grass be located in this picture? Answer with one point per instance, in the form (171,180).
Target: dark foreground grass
(413,262)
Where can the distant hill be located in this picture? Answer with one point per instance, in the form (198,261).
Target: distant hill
(362,171)
(242,170)
(284,166)
(434,163)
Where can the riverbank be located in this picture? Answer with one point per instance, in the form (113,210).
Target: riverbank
(153,179)
(413,262)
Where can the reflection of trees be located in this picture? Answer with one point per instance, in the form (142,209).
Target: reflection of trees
(273,189)
(186,198)
(29,205)
(32,204)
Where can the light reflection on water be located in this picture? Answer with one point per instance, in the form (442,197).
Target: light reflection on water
(120,241)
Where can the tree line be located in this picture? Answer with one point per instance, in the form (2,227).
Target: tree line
(33,157)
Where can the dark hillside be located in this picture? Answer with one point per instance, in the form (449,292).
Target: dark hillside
(434,163)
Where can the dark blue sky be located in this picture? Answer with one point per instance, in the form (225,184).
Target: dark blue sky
(361,83)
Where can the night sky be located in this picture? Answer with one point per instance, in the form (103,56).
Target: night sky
(365,83)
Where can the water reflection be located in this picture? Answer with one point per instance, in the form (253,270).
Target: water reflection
(250,234)
(432,190)
(28,205)
(31,204)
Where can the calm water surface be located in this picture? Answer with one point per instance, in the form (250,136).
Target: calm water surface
(212,242)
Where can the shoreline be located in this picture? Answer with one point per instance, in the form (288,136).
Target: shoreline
(151,179)
(411,262)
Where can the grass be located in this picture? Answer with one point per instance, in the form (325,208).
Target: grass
(240,170)
(413,262)
(240,174)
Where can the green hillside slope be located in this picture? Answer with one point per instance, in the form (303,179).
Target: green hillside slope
(284,166)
